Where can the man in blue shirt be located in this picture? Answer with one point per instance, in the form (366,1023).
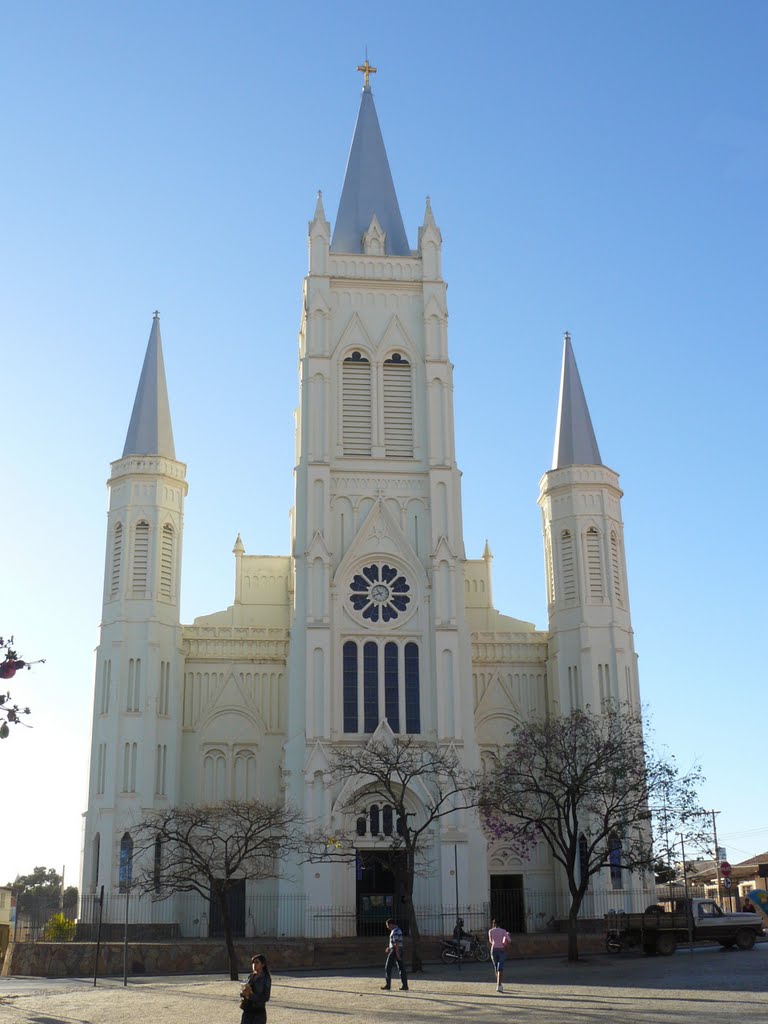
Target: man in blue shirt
(395,956)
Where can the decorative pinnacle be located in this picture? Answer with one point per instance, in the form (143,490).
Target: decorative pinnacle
(368,70)
(156,315)
(567,336)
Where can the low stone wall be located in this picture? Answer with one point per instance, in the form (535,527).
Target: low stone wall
(76,959)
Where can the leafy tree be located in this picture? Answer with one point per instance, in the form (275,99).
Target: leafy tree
(10,714)
(392,771)
(587,785)
(210,849)
(38,894)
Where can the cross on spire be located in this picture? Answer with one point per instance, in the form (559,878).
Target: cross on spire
(367,69)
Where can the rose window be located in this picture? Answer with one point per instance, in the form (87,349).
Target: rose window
(380,592)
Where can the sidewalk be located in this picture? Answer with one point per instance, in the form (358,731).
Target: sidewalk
(708,987)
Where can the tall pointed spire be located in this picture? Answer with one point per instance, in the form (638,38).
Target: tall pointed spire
(575,442)
(150,431)
(368,188)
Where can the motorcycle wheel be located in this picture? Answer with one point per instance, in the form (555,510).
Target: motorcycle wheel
(449,956)
(482,953)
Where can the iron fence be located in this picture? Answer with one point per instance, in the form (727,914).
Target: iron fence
(189,916)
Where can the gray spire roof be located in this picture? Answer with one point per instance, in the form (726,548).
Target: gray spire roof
(150,431)
(368,189)
(575,443)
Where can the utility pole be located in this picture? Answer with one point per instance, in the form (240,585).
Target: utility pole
(717,856)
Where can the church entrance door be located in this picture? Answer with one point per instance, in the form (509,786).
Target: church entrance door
(507,902)
(380,877)
(236,907)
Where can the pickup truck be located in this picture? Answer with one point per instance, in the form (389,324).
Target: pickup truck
(661,927)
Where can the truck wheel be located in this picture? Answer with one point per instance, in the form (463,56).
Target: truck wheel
(666,944)
(745,939)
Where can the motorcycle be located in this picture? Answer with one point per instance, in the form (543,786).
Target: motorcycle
(452,950)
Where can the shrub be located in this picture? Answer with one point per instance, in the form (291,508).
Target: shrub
(59,929)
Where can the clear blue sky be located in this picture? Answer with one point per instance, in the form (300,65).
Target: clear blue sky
(596,167)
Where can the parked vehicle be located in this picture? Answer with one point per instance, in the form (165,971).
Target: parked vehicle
(660,928)
(452,951)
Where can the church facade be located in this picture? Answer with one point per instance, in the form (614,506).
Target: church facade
(377,621)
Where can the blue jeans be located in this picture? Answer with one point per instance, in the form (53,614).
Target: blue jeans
(498,956)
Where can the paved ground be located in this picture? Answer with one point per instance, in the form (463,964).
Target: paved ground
(706,987)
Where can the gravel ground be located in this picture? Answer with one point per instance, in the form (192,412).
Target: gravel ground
(707,987)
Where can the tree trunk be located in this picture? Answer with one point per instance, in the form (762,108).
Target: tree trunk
(573,924)
(221,896)
(573,939)
(417,965)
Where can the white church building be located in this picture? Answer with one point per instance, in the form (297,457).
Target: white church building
(376,615)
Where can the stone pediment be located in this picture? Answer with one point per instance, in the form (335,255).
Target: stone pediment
(396,336)
(380,535)
(355,335)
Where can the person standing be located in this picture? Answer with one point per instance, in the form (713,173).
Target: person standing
(256,992)
(395,956)
(500,940)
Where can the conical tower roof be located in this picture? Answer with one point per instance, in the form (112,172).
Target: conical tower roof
(150,431)
(575,442)
(368,189)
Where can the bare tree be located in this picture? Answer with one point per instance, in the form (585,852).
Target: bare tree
(587,784)
(210,849)
(400,773)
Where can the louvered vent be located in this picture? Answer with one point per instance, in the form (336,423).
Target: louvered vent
(398,409)
(566,566)
(140,558)
(166,562)
(594,564)
(616,568)
(356,405)
(117,558)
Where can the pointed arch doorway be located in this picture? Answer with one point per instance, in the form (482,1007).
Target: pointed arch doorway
(380,884)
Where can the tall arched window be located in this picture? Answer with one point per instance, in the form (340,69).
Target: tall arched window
(133,697)
(370,686)
(412,702)
(140,558)
(117,560)
(96,853)
(387,820)
(614,860)
(374,819)
(583,857)
(398,408)
(126,863)
(350,686)
(166,561)
(356,410)
(157,867)
(391,688)
(130,757)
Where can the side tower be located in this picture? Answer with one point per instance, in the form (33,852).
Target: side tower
(136,714)
(379,640)
(591,651)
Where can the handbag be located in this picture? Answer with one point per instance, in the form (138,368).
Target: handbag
(245,997)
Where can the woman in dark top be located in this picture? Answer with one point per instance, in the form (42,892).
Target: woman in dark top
(260,985)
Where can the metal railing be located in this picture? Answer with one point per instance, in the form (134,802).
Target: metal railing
(189,916)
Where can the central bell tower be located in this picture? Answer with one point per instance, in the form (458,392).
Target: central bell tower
(379,633)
